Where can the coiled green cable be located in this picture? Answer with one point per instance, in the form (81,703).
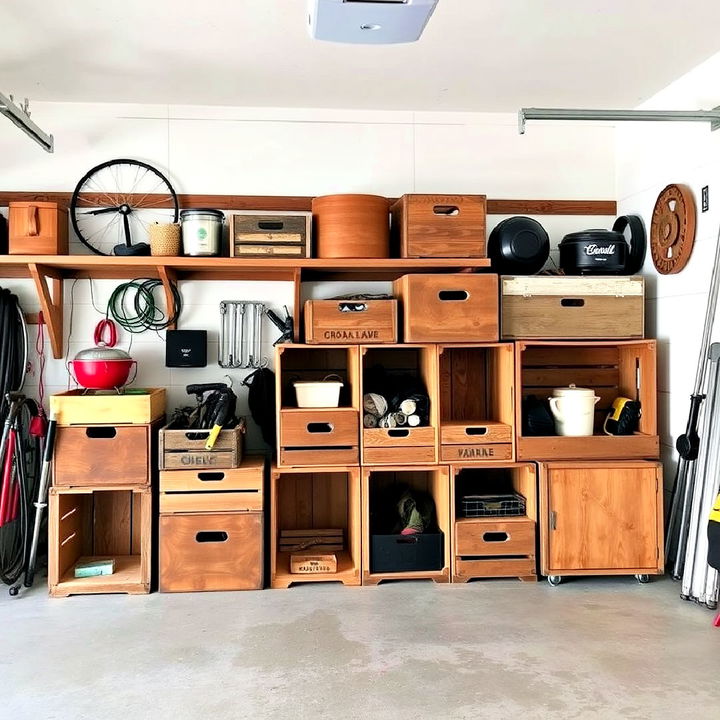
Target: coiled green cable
(132,305)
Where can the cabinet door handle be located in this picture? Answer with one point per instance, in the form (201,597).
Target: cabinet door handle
(553,520)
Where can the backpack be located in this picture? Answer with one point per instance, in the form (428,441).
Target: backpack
(261,401)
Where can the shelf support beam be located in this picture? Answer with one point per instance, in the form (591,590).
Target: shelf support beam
(168,276)
(51,303)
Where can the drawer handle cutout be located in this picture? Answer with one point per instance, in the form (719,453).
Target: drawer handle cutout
(320,427)
(453,295)
(268,225)
(211,476)
(398,432)
(476,431)
(211,536)
(447,210)
(493,537)
(197,435)
(101,433)
(572,302)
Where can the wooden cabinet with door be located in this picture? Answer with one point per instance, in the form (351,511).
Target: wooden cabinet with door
(601,518)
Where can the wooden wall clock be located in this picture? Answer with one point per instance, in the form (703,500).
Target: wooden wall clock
(672,232)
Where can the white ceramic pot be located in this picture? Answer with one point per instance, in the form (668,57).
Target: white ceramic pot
(574,410)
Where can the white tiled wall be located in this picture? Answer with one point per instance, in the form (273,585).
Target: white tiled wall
(649,157)
(285,152)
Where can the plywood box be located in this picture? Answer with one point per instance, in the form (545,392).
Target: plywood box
(332,322)
(107,407)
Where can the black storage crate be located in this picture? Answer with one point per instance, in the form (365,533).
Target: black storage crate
(406,553)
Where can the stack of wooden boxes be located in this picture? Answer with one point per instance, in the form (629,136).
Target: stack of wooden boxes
(211,512)
(101,501)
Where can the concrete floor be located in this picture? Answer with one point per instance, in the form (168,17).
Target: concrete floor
(593,648)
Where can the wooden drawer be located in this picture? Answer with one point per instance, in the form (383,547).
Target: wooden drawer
(245,478)
(319,456)
(194,502)
(573,307)
(460,307)
(460,433)
(439,225)
(468,453)
(491,567)
(275,233)
(335,427)
(98,455)
(399,437)
(411,455)
(490,537)
(332,322)
(217,551)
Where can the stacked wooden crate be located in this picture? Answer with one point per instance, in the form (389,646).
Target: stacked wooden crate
(101,501)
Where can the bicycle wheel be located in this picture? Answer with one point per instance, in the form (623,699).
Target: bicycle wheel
(115,203)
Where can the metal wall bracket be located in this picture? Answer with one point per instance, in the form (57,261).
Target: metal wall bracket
(20,116)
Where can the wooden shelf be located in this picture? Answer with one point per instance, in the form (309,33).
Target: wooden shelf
(127,578)
(348,572)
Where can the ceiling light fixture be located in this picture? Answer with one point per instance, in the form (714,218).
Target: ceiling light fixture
(372,22)
(711,116)
(20,116)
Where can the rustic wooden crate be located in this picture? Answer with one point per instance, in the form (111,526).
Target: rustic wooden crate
(611,369)
(211,551)
(315,498)
(37,228)
(327,324)
(455,307)
(570,308)
(103,407)
(434,226)
(86,524)
(477,402)
(432,479)
(81,455)
(473,555)
(257,233)
(184,449)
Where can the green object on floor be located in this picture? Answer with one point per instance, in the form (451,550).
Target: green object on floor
(95,568)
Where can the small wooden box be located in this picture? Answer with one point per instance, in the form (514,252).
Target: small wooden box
(393,446)
(338,322)
(303,564)
(436,226)
(569,308)
(461,307)
(183,449)
(211,551)
(102,407)
(102,455)
(279,234)
(38,228)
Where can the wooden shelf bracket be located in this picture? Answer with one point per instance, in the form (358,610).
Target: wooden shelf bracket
(51,303)
(168,276)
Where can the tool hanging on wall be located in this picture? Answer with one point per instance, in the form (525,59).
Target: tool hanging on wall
(241,334)
(286,326)
(688,444)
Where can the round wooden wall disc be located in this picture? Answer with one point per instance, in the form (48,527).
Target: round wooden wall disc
(672,232)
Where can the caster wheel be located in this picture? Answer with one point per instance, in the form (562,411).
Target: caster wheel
(554,580)
(14,590)
(643,578)
(711,605)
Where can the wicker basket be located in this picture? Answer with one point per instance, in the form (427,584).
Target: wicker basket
(165,239)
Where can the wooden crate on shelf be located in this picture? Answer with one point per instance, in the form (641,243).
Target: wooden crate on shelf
(254,233)
(611,369)
(333,322)
(601,518)
(459,307)
(398,445)
(315,498)
(317,436)
(477,402)
(431,479)
(87,524)
(431,226)
(107,407)
(493,545)
(184,449)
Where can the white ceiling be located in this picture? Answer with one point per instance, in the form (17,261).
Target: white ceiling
(482,55)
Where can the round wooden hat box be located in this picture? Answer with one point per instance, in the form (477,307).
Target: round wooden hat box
(351,226)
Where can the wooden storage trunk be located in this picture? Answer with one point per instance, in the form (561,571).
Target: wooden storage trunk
(331,322)
(231,490)
(276,234)
(104,455)
(611,369)
(183,449)
(37,228)
(477,402)
(211,551)
(436,226)
(431,479)
(573,307)
(87,524)
(106,407)
(496,546)
(315,498)
(601,518)
(461,307)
